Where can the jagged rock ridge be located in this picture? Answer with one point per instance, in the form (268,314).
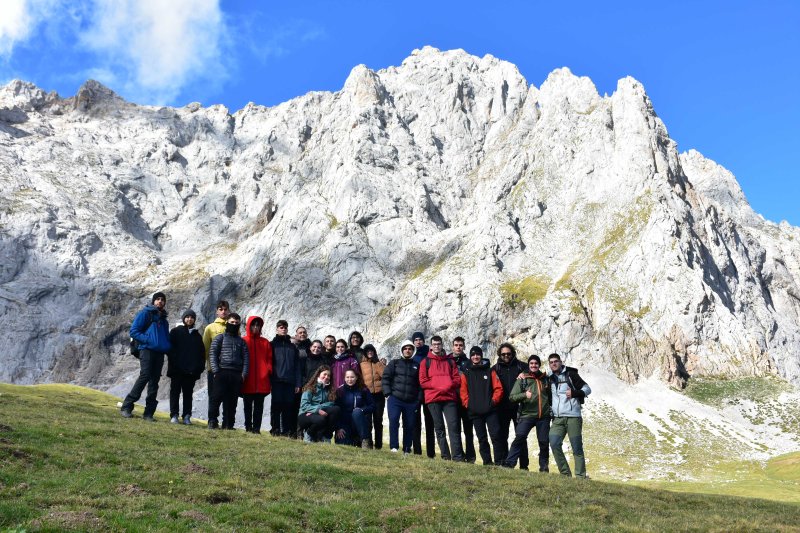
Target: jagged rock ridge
(446,194)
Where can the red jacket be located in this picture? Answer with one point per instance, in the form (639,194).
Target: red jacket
(439,379)
(257,381)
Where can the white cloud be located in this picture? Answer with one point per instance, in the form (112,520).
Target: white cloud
(19,19)
(155,48)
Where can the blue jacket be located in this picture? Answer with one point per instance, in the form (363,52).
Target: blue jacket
(151,330)
(568,378)
(350,398)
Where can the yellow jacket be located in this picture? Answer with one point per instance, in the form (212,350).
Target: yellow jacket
(212,330)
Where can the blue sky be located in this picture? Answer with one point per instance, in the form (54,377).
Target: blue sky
(724,76)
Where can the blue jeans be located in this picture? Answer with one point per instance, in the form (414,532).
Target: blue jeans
(150,367)
(406,410)
(358,429)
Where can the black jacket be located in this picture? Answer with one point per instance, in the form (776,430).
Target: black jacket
(229,352)
(508,375)
(313,362)
(479,386)
(187,357)
(286,366)
(401,380)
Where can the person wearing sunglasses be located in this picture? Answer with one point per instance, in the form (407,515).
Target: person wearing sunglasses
(509,369)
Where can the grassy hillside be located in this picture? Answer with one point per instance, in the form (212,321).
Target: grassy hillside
(69,461)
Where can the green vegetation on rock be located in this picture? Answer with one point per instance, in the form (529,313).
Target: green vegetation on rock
(524,292)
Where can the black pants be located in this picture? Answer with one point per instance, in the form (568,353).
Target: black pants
(283,417)
(318,426)
(524,427)
(466,426)
(150,365)
(377,419)
(253,411)
(447,412)
(227,384)
(506,417)
(181,384)
(481,423)
(430,437)
(213,405)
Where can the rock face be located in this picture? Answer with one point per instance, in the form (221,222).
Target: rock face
(445,195)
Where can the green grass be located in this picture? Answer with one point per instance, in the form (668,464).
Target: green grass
(68,461)
(524,292)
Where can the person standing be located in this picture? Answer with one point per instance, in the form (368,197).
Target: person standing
(532,394)
(316,358)
(342,362)
(230,362)
(481,392)
(508,369)
(150,330)
(400,382)
(329,343)
(209,333)
(463,362)
(421,351)
(372,369)
(186,364)
(300,340)
(286,381)
(441,382)
(568,391)
(256,386)
(356,345)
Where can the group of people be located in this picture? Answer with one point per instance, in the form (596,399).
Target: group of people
(337,390)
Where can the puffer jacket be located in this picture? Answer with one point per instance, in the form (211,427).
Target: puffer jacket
(481,390)
(372,372)
(151,330)
(341,364)
(312,401)
(508,375)
(260,350)
(401,380)
(313,362)
(209,334)
(440,380)
(538,406)
(568,378)
(187,354)
(286,361)
(229,352)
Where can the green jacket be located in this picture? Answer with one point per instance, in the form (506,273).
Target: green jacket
(538,405)
(313,401)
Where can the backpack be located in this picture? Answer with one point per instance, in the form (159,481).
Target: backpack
(135,344)
(428,364)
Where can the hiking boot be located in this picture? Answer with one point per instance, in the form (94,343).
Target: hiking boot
(365,445)
(126,413)
(174,420)
(213,424)
(148,418)
(187,420)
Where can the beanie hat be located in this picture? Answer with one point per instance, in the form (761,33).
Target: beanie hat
(418,335)
(475,350)
(158,295)
(190,313)
(406,343)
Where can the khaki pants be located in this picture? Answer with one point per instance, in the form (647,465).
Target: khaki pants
(571,427)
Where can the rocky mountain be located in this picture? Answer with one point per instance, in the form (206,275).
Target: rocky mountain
(446,195)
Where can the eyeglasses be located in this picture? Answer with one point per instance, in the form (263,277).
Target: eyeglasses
(505,353)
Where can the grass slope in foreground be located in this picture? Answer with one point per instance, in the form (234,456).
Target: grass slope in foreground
(69,461)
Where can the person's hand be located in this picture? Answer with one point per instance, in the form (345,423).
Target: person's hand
(340,434)
(569,394)
(323,413)
(308,414)
(296,390)
(528,394)
(521,375)
(244,377)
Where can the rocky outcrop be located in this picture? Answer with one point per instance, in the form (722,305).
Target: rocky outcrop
(445,194)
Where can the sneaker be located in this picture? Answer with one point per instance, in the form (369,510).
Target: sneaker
(395,450)
(148,418)
(174,420)
(126,413)
(365,445)
(307,437)
(187,420)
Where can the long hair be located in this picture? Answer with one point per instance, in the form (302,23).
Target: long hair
(510,347)
(311,384)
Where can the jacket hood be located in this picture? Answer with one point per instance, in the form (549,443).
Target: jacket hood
(368,347)
(441,357)
(357,334)
(250,320)
(483,364)
(344,355)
